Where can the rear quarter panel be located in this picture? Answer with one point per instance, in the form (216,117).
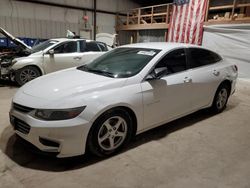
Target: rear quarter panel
(226,72)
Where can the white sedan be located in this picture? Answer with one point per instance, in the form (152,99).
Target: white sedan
(102,105)
(49,56)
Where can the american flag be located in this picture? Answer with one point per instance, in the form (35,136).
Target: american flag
(186,22)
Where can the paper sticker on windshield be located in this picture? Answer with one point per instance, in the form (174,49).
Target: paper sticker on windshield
(150,53)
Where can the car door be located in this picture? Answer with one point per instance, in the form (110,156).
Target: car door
(63,56)
(205,75)
(168,97)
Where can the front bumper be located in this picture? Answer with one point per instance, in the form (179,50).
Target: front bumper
(66,137)
(6,73)
(233,86)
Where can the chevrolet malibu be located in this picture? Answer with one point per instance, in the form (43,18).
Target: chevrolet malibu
(100,106)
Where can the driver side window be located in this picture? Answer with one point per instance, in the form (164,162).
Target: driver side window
(174,61)
(68,47)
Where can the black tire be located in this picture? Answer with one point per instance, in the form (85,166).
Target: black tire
(100,131)
(26,74)
(220,98)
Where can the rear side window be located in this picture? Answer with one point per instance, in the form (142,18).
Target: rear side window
(175,61)
(67,47)
(82,44)
(92,47)
(200,57)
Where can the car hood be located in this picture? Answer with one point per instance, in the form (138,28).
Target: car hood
(66,85)
(17,41)
(109,39)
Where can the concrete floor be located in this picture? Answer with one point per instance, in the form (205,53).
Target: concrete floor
(197,151)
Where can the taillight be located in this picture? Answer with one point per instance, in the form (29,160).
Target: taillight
(235,68)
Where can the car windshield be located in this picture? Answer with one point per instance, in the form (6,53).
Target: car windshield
(43,45)
(121,62)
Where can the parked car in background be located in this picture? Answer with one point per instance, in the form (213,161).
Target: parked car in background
(56,54)
(49,56)
(127,91)
(20,50)
(53,55)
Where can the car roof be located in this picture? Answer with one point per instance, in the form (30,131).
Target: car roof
(70,39)
(160,45)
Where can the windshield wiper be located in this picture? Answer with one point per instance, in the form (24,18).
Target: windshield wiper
(101,72)
(83,68)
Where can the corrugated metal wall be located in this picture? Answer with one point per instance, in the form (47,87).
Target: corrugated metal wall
(41,21)
(36,28)
(152,35)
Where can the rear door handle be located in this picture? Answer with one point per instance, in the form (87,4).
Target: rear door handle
(187,79)
(216,73)
(77,58)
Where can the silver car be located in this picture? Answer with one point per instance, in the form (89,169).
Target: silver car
(49,56)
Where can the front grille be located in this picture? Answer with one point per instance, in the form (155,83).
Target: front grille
(21,108)
(5,64)
(21,126)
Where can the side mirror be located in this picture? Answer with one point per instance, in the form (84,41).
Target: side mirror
(160,72)
(157,73)
(51,52)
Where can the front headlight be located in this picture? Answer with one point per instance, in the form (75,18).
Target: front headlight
(58,114)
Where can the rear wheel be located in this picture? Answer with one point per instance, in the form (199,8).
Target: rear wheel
(221,98)
(110,132)
(26,74)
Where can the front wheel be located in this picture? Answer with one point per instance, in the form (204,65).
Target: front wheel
(110,132)
(26,74)
(221,98)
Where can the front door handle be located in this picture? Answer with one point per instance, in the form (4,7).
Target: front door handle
(216,73)
(77,58)
(187,79)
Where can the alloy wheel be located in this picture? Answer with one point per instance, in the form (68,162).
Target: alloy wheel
(222,98)
(27,75)
(112,133)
